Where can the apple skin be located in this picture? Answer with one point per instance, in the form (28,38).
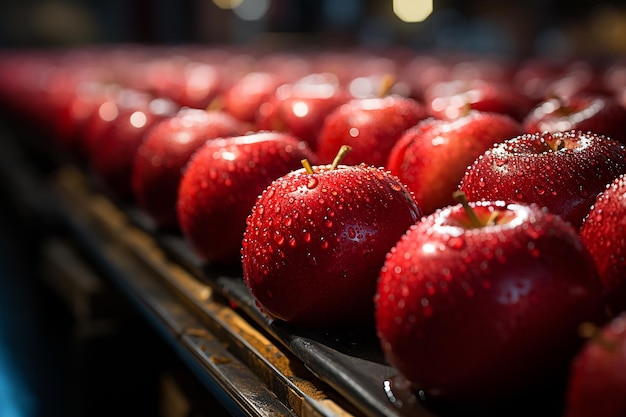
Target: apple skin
(449,99)
(431,157)
(221,183)
(371,126)
(112,155)
(526,169)
(604,233)
(301,107)
(601,114)
(474,316)
(597,379)
(314,243)
(164,152)
(247,94)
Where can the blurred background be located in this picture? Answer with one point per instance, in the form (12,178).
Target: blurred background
(533,27)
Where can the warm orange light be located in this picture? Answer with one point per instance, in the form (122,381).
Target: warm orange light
(412,10)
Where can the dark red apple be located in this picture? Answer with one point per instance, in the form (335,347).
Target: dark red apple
(112,154)
(601,114)
(316,239)
(431,158)
(371,126)
(477,306)
(301,107)
(597,381)
(165,151)
(604,233)
(221,183)
(563,171)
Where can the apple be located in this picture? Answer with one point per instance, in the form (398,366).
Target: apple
(601,114)
(248,93)
(604,233)
(597,380)
(479,303)
(316,239)
(301,107)
(112,154)
(164,152)
(221,183)
(370,126)
(110,107)
(449,99)
(431,157)
(563,171)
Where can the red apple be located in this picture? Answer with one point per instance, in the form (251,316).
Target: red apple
(450,99)
(112,154)
(221,183)
(301,107)
(597,380)
(431,158)
(165,151)
(316,239)
(604,233)
(246,95)
(601,114)
(371,126)
(478,305)
(563,171)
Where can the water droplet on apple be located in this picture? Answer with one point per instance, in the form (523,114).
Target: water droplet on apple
(287,221)
(292,241)
(351,233)
(584,193)
(540,190)
(328,223)
(306,236)
(456,242)
(312,183)
(323,243)
(279,239)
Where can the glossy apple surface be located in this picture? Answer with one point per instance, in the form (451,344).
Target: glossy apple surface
(476,315)
(604,233)
(431,157)
(563,171)
(165,151)
(371,126)
(112,155)
(597,383)
(301,107)
(314,243)
(221,183)
(601,114)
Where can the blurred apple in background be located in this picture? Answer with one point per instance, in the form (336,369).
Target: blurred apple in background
(164,152)
(431,157)
(370,126)
(300,108)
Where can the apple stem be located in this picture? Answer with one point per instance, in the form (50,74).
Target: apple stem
(385,85)
(343,151)
(307,166)
(592,332)
(460,197)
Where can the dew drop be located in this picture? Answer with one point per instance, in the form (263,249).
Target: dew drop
(306,236)
(279,239)
(540,190)
(351,232)
(287,221)
(312,183)
(456,242)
